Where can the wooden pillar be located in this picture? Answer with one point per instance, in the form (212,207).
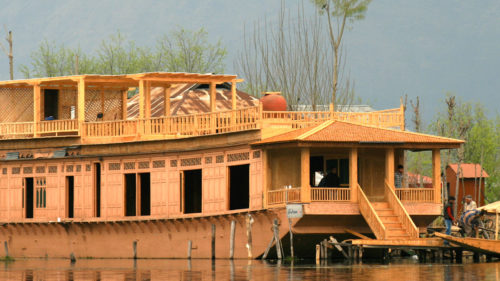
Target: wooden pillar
(402,114)
(147,98)
(166,96)
(305,188)
(265,177)
(213,96)
(353,173)
(389,166)
(142,87)
(496,224)
(436,174)
(124,104)
(233,95)
(81,100)
(36,108)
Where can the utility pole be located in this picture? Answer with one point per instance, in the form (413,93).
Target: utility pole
(9,52)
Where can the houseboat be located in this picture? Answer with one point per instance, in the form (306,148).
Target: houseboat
(192,167)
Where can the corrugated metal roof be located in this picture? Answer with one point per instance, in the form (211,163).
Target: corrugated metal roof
(190,99)
(469,170)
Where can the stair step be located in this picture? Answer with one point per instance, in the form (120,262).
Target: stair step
(399,237)
(389,219)
(396,232)
(383,205)
(383,213)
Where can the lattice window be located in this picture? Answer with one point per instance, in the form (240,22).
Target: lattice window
(129,165)
(67,99)
(78,168)
(87,167)
(159,164)
(144,165)
(27,170)
(40,169)
(173,163)
(52,169)
(4,171)
(16,170)
(256,154)
(20,105)
(238,156)
(114,166)
(219,159)
(191,161)
(69,168)
(41,192)
(208,160)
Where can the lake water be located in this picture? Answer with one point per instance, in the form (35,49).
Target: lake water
(112,269)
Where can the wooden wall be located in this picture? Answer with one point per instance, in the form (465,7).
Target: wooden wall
(165,171)
(371,172)
(284,166)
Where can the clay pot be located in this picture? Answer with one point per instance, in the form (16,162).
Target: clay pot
(273,101)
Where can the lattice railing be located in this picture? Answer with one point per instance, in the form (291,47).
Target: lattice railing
(419,195)
(400,211)
(330,194)
(282,196)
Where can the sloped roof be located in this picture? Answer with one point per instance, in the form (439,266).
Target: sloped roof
(492,207)
(190,99)
(469,170)
(346,132)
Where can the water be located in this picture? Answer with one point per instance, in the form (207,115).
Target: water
(121,269)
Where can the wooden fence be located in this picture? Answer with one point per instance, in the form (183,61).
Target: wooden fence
(420,195)
(329,194)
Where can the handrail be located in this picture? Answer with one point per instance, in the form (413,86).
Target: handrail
(284,195)
(368,212)
(400,211)
(329,194)
(415,194)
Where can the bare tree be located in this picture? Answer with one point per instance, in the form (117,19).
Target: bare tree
(9,52)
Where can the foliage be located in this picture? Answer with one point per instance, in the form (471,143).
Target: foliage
(180,51)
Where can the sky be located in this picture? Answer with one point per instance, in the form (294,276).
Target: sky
(417,48)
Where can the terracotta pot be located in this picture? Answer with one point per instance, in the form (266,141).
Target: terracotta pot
(273,102)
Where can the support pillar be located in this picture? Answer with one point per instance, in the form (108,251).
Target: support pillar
(81,101)
(436,174)
(36,108)
(353,173)
(389,166)
(305,188)
(233,95)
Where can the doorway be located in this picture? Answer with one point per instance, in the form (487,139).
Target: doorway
(192,191)
(50,104)
(28,198)
(130,195)
(145,194)
(239,187)
(97,189)
(70,196)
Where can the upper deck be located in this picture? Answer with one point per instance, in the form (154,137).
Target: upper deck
(93,108)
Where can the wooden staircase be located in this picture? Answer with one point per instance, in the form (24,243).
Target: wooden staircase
(393,226)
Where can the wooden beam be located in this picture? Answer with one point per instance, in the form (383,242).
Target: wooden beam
(36,107)
(436,174)
(389,166)
(166,95)
(124,104)
(353,173)
(233,95)
(305,188)
(357,234)
(142,86)
(81,100)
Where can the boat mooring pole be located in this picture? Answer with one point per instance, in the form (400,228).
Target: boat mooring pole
(231,241)
(291,237)
(213,241)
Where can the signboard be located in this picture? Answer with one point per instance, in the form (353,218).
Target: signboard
(294,211)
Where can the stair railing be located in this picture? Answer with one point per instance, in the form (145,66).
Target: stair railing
(400,211)
(368,212)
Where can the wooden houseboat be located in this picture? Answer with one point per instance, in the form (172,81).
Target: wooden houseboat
(81,174)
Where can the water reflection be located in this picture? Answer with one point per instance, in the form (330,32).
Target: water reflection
(242,270)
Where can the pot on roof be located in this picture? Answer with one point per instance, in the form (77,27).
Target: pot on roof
(273,101)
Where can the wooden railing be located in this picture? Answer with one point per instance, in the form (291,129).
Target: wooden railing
(16,130)
(294,119)
(329,194)
(415,194)
(385,118)
(281,196)
(57,126)
(400,211)
(370,215)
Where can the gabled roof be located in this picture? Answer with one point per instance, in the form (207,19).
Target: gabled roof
(345,132)
(469,170)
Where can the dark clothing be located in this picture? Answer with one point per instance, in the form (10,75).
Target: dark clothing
(448,212)
(330,180)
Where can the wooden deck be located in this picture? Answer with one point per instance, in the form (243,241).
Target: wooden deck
(484,246)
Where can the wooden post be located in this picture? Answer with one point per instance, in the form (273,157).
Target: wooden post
(213,241)
(265,175)
(142,87)
(81,101)
(291,237)
(36,108)
(231,240)
(496,224)
(305,189)
(233,95)
(190,247)
(402,114)
(353,173)
(166,96)
(134,248)
(6,246)
(332,111)
(249,221)
(317,253)
(436,174)
(277,238)
(389,166)
(268,248)
(124,104)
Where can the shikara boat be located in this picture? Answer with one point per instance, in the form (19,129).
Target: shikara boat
(489,247)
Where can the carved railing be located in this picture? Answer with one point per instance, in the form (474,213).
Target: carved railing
(294,119)
(370,215)
(57,126)
(282,196)
(384,118)
(400,211)
(329,194)
(420,195)
(16,130)
(121,128)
